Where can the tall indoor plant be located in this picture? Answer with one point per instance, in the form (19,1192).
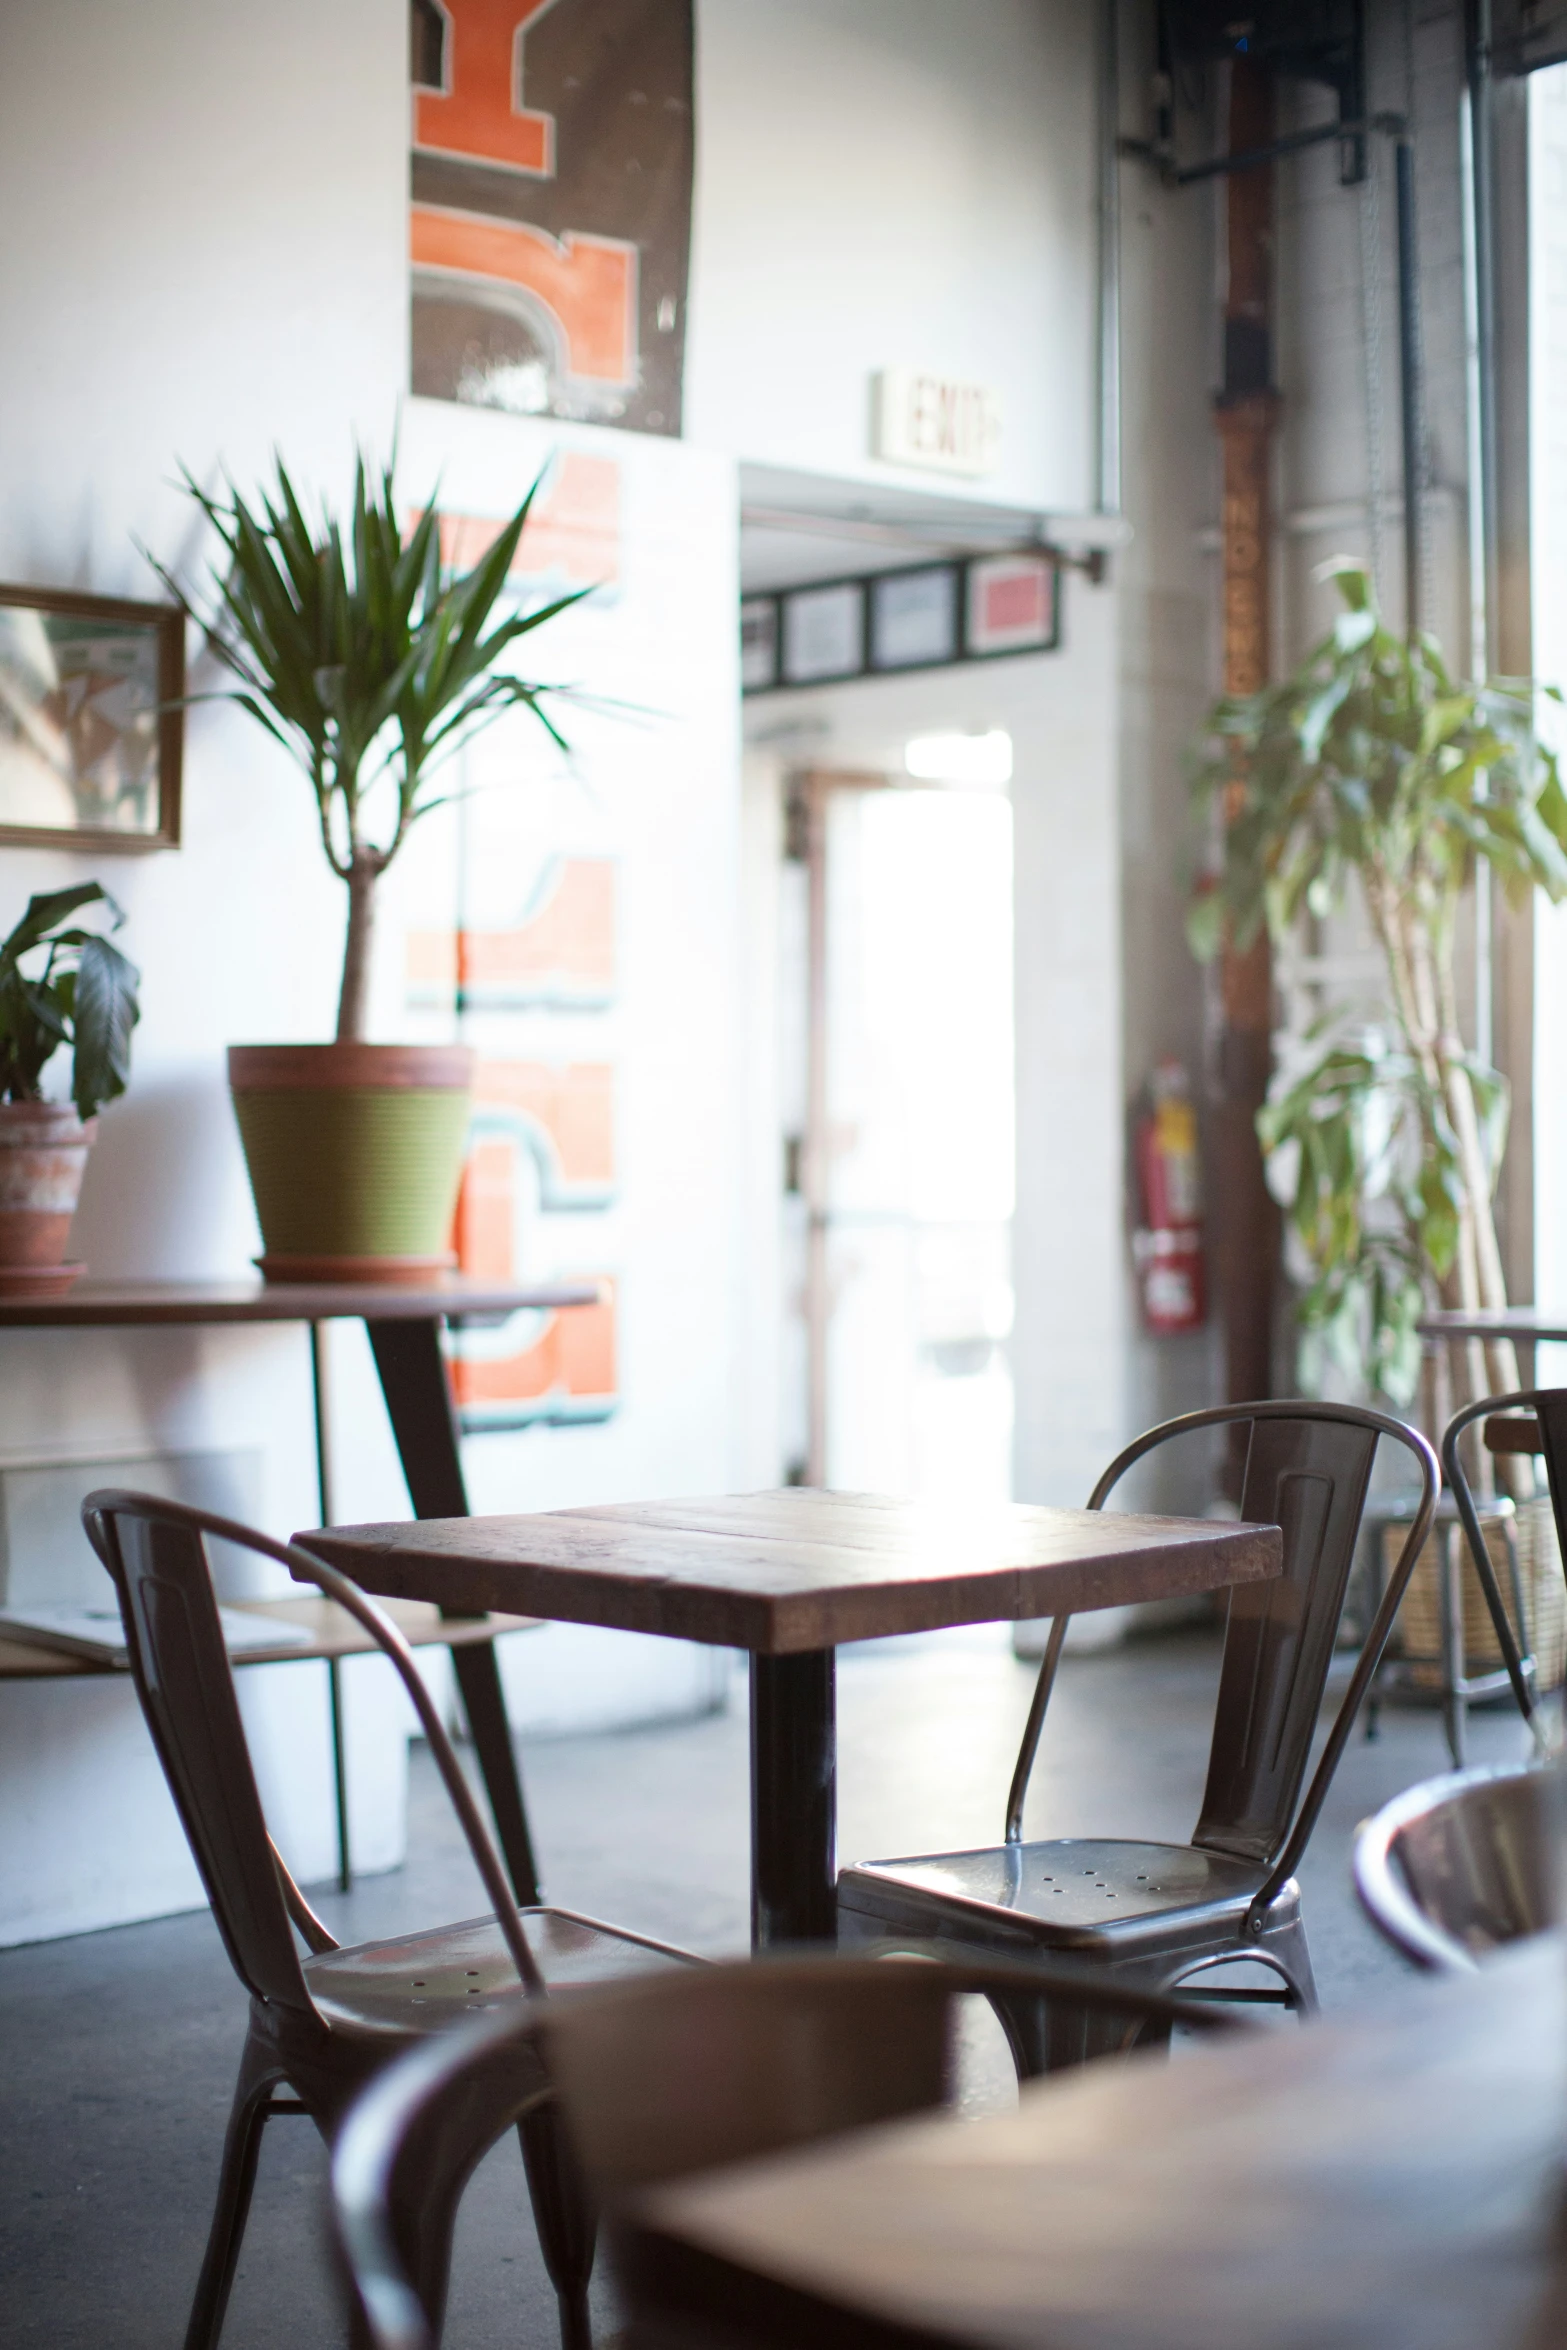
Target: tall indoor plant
(1372,770)
(370,665)
(60,985)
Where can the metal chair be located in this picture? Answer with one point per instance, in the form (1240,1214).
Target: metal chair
(1531,1420)
(1156,1914)
(1457,1687)
(658,2079)
(322,2025)
(1459,1866)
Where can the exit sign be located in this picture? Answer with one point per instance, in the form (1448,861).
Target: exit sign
(938,425)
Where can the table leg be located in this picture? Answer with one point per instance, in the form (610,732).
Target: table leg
(326,1516)
(345,1865)
(321,1394)
(1455,1662)
(794,1798)
(419,1405)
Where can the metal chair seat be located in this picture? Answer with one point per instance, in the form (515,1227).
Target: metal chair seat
(414,1984)
(1112,1896)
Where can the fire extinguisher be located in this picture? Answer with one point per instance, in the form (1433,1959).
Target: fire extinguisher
(1167,1246)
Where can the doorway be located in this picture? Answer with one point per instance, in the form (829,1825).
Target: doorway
(898,1108)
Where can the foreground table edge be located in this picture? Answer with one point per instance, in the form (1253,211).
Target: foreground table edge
(770,2287)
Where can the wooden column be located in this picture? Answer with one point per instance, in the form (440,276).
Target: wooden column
(1245,1221)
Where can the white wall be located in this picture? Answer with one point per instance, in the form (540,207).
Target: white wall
(888,183)
(206,259)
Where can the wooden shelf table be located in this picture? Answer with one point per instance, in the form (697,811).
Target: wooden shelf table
(788,1576)
(403,1325)
(334,1635)
(1524,1325)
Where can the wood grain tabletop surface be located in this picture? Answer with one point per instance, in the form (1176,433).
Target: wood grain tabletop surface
(1395,2181)
(797,1569)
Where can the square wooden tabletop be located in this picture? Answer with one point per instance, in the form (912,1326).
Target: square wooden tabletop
(783,1572)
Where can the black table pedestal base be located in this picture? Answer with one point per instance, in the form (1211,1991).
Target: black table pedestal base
(794,1798)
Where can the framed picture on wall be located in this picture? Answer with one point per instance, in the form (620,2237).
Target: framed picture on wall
(90,721)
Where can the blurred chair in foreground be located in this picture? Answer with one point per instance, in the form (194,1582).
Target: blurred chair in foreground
(1462,1865)
(659,2078)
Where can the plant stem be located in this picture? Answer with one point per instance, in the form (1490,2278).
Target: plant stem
(364,871)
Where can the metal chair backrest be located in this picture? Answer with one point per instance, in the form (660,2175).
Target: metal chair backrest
(1308,1467)
(660,2078)
(156,1552)
(1464,1864)
(1549,1406)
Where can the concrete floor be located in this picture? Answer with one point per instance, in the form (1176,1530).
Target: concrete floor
(117,2050)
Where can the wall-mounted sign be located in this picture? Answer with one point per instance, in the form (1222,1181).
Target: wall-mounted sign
(823,633)
(1011,604)
(937,425)
(551,214)
(914,618)
(971,608)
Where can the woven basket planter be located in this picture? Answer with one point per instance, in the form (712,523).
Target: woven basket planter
(1418,1637)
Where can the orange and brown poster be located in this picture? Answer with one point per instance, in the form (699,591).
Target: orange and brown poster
(551,206)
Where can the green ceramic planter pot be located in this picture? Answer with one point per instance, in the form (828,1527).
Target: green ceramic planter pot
(355,1153)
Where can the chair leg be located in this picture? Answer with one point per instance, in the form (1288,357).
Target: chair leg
(567,2224)
(1455,1663)
(1047,2037)
(1289,1953)
(259,2075)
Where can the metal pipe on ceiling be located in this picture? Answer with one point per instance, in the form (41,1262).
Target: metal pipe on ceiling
(1107,485)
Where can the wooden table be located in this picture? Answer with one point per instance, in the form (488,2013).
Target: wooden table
(334,1635)
(404,1329)
(1395,2182)
(788,1576)
(1525,1325)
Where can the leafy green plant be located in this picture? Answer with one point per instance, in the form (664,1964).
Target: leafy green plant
(59,985)
(367,663)
(1372,769)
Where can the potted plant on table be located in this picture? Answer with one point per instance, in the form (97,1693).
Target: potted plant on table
(59,985)
(356,652)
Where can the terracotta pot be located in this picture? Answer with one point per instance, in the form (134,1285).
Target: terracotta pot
(355,1153)
(43,1156)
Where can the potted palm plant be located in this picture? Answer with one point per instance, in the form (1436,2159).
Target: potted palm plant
(370,665)
(1372,771)
(60,984)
